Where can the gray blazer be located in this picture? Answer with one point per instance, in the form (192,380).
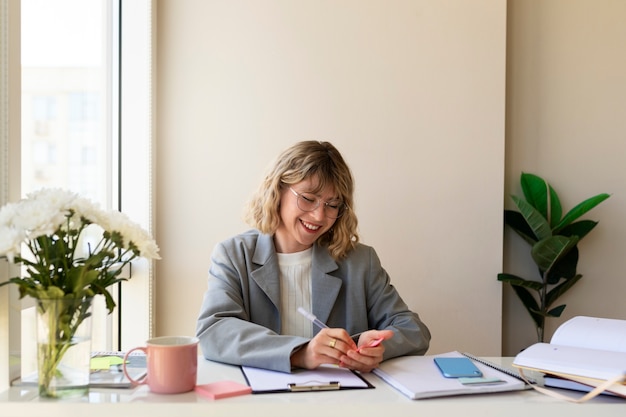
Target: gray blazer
(239,321)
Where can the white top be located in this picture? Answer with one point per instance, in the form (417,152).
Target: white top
(295,291)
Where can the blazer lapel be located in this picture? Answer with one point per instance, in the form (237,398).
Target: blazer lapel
(267,275)
(325,288)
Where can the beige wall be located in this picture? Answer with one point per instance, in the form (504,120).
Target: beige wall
(566,121)
(412,92)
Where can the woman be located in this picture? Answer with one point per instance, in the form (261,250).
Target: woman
(304,252)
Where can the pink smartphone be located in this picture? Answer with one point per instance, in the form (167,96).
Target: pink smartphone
(373,343)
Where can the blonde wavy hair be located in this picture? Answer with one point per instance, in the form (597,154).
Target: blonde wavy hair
(304,160)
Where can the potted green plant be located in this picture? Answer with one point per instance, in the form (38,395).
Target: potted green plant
(553,239)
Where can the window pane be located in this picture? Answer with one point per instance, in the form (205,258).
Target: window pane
(68,111)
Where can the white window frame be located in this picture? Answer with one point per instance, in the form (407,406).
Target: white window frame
(137,160)
(10,76)
(135,175)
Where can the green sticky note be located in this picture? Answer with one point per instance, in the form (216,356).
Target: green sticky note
(105,362)
(480,381)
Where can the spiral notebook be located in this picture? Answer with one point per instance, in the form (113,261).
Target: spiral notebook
(507,371)
(418,377)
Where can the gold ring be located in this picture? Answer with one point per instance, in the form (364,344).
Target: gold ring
(332,343)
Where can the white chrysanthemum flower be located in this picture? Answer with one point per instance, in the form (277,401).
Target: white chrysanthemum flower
(55,199)
(7,214)
(131,232)
(142,240)
(38,219)
(11,241)
(11,237)
(87,209)
(43,212)
(51,222)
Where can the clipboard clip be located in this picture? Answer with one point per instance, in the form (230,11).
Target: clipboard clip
(314,386)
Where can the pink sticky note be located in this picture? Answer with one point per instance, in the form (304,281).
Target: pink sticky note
(222,389)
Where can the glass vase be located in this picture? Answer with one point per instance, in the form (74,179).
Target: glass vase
(63,346)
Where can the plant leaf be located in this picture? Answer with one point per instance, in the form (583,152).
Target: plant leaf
(80,277)
(548,251)
(530,303)
(580,228)
(516,221)
(565,267)
(542,197)
(521,282)
(580,209)
(561,289)
(521,286)
(556,312)
(534,218)
(110,303)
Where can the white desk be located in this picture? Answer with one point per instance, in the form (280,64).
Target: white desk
(381,401)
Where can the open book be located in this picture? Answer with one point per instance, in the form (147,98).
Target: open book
(583,353)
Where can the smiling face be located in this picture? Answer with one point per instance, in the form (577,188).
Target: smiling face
(299,229)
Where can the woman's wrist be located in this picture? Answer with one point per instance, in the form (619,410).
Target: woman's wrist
(297,358)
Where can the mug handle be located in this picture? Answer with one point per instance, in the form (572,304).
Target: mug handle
(143,380)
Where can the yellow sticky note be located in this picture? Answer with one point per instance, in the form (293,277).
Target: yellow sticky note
(105,362)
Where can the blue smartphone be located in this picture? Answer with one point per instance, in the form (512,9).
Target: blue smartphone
(457,367)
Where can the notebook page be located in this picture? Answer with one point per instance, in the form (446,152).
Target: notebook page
(592,333)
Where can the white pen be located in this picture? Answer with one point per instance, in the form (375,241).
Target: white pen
(311,317)
(321,325)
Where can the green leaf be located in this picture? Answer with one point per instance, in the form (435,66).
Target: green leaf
(561,289)
(110,303)
(581,209)
(521,282)
(540,195)
(538,224)
(80,277)
(516,221)
(565,267)
(547,251)
(580,228)
(530,303)
(556,312)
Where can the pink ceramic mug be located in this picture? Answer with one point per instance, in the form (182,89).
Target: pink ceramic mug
(172,363)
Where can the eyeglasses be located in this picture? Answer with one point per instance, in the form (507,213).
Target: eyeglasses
(308,202)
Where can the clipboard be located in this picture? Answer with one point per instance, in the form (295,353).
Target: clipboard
(324,378)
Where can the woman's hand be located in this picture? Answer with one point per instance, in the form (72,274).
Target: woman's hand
(336,347)
(369,353)
(329,346)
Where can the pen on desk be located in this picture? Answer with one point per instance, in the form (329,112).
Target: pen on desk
(311,317)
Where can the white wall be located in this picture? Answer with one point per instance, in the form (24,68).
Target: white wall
(566,121)
(412,93)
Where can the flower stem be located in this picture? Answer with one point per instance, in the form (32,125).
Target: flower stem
(60,320)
